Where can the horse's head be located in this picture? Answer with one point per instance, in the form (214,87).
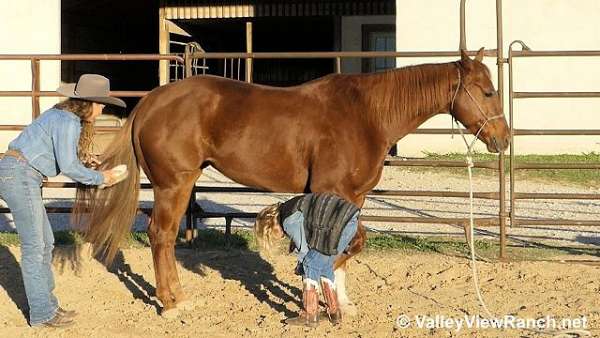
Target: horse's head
(476,103)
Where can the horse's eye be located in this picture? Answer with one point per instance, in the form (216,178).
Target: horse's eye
(489,94)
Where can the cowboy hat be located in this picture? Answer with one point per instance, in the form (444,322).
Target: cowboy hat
(91,87)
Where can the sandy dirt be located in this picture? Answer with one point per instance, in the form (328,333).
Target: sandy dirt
(243,294)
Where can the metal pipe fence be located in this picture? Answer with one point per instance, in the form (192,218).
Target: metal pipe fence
(195,212)
(514,165)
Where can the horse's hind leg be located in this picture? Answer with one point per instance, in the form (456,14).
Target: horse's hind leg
(170,204)
(355,246)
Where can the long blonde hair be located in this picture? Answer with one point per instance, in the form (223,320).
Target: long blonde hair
(267,221)
(83,109)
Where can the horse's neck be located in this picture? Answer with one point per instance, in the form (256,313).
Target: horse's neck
(399,101)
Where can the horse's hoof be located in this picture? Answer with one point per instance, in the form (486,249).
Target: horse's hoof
(185,305)
(170,313)
(349,309)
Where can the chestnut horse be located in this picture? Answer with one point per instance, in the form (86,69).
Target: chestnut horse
(328,135)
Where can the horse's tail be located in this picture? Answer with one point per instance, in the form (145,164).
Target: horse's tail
(106,215)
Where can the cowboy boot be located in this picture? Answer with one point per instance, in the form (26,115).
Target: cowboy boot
(332,306)
(58,321)
(309,315)
(67,313)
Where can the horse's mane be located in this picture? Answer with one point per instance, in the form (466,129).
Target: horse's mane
(407,92)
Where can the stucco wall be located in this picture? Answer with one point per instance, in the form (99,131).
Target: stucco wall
(544,25)
(28,27)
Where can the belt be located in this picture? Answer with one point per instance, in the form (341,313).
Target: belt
(15,153)
(19,156)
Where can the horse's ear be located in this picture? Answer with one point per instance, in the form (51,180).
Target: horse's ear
(464,58)
(479,56)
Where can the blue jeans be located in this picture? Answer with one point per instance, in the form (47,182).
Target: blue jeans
(20,188)
(317,265)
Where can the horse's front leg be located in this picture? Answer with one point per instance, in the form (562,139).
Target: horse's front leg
(182,302)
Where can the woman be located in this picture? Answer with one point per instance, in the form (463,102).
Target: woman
(58,141)
(320,226)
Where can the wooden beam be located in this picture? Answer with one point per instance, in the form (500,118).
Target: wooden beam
(175,29)
(249,50)
(163,46)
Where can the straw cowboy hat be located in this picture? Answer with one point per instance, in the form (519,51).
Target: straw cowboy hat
(91,87)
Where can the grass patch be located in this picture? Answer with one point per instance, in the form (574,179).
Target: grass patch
(9,239)
(69,237)
(138,239)
(386,242)
(583,177)
(214,239)
(485,248)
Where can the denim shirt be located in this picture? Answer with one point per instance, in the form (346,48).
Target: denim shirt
(49,144)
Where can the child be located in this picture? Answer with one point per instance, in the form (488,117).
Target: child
(320,225)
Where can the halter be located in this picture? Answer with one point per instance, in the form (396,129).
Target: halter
(481,112)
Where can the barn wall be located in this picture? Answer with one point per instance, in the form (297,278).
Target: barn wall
(27,27)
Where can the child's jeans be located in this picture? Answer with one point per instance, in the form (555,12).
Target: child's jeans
(314,263)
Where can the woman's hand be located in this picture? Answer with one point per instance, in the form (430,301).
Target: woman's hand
(114,176)
(92,162)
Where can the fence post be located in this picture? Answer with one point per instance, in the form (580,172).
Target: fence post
(35,88)
(190,213)
(512,162)
(501,173)
(463,40)
(187,60)
(249,50)
(190,217)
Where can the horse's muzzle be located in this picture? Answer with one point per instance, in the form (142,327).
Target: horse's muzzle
(497,145)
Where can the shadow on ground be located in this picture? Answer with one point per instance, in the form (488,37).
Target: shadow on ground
(237,262)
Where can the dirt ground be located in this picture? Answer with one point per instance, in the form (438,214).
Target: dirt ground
(242,294)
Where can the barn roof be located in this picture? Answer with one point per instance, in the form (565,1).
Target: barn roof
(201,9)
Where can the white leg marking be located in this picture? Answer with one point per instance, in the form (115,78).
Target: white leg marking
(347,306)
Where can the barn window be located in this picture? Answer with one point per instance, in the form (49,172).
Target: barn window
(378,38)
